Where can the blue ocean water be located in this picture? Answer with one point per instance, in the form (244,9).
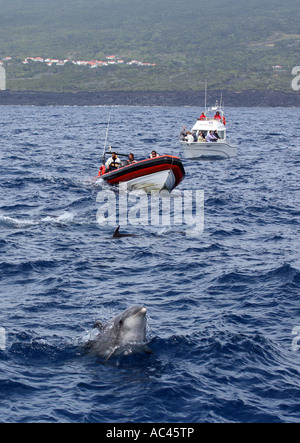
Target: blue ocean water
(223,307)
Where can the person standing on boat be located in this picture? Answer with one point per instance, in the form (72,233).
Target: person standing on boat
(183,133)
(202,116)
(113,163)
(217,116)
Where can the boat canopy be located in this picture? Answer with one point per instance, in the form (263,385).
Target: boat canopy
(209,125)
(209,122)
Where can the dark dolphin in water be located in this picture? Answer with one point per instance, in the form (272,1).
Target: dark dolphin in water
(117,234)
(126,331)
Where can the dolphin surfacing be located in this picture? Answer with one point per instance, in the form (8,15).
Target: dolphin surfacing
(117,234)
(125,331)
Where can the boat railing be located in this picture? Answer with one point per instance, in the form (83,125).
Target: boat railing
(212,119)
(208,119)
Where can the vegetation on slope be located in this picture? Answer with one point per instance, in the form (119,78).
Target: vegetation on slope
(234,43)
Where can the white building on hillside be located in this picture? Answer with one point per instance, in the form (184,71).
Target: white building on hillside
(2,79)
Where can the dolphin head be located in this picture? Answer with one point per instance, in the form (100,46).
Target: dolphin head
(130,326)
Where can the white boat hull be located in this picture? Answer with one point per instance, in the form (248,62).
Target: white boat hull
(210,150)
(154,182)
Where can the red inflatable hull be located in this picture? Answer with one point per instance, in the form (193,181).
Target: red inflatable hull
(145,168)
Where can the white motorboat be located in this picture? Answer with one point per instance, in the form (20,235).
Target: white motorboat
(208,137)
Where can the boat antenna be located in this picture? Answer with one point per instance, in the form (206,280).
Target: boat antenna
(205,96)
(106,136)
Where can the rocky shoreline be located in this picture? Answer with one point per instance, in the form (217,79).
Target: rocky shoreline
(250,98)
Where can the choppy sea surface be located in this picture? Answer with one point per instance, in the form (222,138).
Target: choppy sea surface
(223,306)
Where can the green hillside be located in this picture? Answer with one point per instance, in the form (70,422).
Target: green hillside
(233,43)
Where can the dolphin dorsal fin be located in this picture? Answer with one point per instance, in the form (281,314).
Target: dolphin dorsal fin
(116,233)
